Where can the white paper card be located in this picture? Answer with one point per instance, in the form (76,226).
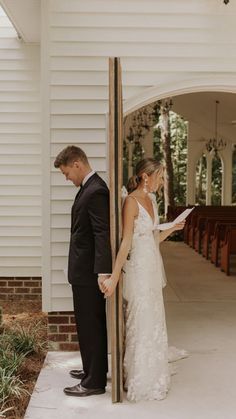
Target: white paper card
(178,219)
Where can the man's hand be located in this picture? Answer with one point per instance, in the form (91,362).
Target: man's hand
(109,286)
(101,279)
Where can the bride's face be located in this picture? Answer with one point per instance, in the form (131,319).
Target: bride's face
(156,181)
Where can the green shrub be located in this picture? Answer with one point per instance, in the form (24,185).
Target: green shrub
(10,386)
(16,343)
(10,361)
(26,340)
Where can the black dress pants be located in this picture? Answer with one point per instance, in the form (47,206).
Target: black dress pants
(90,316)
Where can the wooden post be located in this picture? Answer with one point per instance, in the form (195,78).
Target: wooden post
(116,174)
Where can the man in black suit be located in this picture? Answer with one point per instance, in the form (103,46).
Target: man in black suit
(89,264)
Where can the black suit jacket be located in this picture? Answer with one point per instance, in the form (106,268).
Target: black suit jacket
(90,249)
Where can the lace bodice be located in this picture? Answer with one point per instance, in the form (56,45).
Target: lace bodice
(144,222)
(145,241)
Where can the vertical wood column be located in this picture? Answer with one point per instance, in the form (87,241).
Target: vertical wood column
(116,171)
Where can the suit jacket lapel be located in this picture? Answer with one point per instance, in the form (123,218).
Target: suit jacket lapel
(85,186)
(89,180)
(78,196)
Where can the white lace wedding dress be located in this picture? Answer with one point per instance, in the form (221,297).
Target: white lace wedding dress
(146,370)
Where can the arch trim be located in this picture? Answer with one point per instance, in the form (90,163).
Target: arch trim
(225,84)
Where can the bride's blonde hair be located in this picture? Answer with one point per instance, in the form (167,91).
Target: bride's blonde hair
(148,166)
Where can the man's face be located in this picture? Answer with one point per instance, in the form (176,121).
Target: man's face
(73,172)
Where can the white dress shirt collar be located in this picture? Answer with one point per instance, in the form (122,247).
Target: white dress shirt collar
(87,177)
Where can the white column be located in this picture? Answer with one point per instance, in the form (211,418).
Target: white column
(191,183)
(226,195)
(209,178)
(191,168)
(46,176)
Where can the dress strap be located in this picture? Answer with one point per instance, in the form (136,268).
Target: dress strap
(138,204)
(130,196)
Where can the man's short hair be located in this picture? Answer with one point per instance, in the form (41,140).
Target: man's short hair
(69,155)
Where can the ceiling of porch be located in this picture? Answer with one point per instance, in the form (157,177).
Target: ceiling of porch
(199,108)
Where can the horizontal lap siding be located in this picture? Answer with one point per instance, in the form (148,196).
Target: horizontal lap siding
(159,42)
(20,156)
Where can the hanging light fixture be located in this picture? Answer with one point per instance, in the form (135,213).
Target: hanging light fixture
(226,1)
(215,144)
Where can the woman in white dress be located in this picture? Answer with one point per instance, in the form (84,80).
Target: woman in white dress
(146,371)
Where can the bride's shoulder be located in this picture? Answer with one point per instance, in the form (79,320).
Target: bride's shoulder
(127,198)
(131,204)
(131,199)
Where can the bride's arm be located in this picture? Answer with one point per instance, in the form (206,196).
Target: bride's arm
(130,211)
(164,234)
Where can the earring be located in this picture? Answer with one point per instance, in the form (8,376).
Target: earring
(145,185)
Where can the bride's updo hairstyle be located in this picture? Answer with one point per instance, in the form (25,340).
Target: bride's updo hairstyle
(148,166)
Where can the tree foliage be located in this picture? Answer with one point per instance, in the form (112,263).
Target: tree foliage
(178,145)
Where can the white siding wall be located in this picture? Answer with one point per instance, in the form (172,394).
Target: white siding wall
(160,42)
(20,156)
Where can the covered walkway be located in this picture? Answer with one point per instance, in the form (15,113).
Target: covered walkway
(201,317)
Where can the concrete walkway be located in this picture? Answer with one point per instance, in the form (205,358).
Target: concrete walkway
(200,305)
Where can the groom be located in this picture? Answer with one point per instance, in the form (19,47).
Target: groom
(89,265)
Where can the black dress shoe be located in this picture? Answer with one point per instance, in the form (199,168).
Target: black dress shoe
(80,391)
(79,374)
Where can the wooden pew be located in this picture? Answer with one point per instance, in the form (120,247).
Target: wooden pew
(207,212)
(187,228)
(199,231)
(228,248)
(218,239)
(208,234)
(203,210)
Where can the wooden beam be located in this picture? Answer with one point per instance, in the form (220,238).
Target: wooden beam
(116,174)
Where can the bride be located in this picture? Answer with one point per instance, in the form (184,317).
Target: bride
(146,371)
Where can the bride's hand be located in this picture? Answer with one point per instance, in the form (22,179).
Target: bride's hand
(109,286)
(179,226)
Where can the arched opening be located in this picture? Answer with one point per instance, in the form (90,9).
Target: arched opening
(191,121)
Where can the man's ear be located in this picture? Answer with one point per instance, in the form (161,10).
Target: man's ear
(77,164)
